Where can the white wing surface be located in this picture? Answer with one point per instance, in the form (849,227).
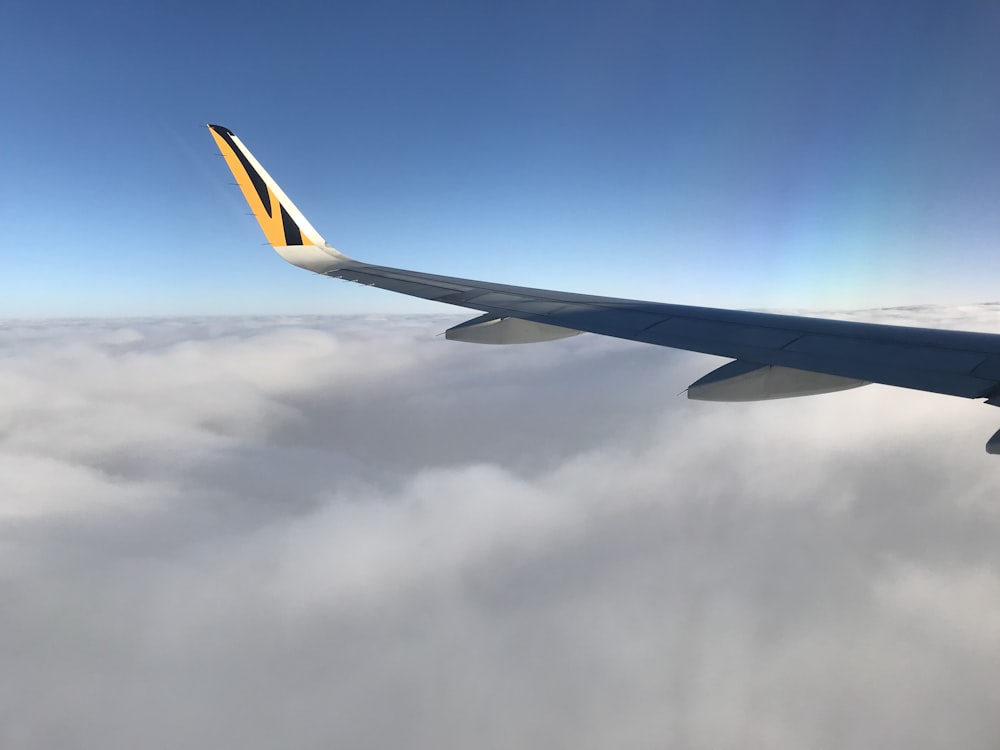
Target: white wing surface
(775,356)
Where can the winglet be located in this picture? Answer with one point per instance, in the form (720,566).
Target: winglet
(284,226)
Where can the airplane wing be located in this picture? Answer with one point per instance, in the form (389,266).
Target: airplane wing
(774,356)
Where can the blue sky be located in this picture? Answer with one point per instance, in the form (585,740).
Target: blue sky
(764,154)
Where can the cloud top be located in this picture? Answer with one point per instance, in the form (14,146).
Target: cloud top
(347,532)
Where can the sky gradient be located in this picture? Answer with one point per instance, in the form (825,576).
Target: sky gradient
(234,515)
(773,154)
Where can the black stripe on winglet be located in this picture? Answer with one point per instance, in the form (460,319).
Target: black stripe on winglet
(292,234)
(255,179)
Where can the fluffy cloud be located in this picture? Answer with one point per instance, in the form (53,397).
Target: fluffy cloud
(350,533)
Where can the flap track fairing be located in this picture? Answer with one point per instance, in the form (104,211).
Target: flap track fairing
(492,329)
(749,381)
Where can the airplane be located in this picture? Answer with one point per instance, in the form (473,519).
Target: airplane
(773,355)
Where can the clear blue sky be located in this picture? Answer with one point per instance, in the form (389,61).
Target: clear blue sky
(752,154)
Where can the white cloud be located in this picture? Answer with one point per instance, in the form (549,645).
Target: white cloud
(348,532)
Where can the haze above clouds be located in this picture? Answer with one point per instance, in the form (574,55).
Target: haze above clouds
(347,532)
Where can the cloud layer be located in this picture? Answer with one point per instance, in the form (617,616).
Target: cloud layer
(319,532)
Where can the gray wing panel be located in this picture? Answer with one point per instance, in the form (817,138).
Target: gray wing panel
(957,363)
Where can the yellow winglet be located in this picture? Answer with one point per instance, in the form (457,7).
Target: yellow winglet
(283,224)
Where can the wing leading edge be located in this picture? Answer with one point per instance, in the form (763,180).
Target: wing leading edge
(775,355)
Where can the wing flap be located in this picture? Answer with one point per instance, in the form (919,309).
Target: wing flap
(902,355)
(755,336)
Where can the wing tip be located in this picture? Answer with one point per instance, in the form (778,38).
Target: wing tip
(283,224)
